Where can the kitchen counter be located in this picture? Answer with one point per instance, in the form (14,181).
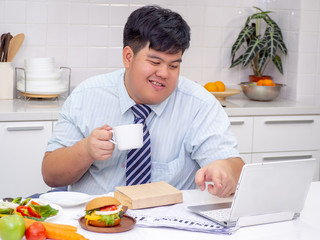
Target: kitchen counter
(244,107)
(31,110)
(48,109)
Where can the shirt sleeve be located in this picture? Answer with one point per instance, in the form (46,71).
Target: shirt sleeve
(210,134)
(65,132)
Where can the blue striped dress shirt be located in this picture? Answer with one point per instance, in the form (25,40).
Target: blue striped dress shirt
(189,130)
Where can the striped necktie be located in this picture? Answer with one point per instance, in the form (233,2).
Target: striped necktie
(139,160)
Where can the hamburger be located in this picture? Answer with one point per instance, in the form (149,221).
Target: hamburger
(103,212)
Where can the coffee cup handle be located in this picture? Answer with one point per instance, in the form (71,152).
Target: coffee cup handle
(112,140)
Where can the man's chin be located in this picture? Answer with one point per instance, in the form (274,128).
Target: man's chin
(154,101)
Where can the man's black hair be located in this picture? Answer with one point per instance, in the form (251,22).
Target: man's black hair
(165,30)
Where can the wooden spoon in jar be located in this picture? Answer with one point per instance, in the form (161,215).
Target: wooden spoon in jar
(14,46)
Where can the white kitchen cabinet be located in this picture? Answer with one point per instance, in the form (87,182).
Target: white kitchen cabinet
(22,146)
(242,127)
(278,138)
(286,133)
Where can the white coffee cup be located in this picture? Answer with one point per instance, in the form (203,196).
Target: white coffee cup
(128,136)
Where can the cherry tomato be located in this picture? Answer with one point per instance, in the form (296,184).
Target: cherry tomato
(36,231)
(109,208)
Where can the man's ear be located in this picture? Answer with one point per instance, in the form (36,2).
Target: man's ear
(127,56)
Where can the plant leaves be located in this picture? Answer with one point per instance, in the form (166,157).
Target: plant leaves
(236,62)
(260,15)
(263,56)
(260,50)
(242,37)
(279,37)
(275,26)
(277,61)
(272,41)
(253,25)
(282,47)
(256,44)
(258,8)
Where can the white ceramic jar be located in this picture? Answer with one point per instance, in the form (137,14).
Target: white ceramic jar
(6,80)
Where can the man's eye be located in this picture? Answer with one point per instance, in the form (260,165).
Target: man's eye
(173,66)
(154,63)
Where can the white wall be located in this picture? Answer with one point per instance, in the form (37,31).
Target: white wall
(86,35)
(308,87)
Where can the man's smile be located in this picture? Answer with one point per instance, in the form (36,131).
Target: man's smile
(157,83)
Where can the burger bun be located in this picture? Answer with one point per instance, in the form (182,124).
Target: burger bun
(100,202)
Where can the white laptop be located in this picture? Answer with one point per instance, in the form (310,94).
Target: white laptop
(266,192)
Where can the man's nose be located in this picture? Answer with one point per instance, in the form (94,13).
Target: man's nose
(162,71)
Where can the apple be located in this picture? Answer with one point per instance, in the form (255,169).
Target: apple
(12,227)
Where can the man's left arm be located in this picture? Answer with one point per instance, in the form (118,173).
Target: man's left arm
(214,147)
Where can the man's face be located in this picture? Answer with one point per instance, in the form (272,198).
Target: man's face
(151,76)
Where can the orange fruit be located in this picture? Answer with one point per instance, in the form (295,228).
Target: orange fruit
(217,86)
(210,86)
(221,86)
(266,82)
(260,83)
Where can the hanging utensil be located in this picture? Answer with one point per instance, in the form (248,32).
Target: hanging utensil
(6,46)
(14,46)
(7,39)
(2,45)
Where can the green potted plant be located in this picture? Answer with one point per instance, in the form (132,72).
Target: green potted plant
(257,47)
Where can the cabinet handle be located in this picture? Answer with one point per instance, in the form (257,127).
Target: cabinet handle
(282,158)
(288,121)
(236,122)
(25,128)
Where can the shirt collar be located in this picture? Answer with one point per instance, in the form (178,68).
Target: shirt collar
(126,102)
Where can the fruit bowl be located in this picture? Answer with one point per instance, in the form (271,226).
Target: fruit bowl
(227,93)
(260,93)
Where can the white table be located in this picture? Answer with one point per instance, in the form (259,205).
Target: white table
(304,228)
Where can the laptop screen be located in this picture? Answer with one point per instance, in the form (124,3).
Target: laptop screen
(272,187)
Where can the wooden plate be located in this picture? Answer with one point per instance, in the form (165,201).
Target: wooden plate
(29,95)
(126,224)
(227,93)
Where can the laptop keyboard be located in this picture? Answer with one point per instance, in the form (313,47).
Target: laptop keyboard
(220,215)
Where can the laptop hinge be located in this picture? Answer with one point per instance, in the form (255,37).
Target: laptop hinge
(265,218)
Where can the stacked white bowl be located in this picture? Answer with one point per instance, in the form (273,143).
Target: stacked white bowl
(42,77)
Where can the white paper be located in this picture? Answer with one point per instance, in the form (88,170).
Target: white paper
(176,216)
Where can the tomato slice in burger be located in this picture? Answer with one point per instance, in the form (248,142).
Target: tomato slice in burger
(109,208)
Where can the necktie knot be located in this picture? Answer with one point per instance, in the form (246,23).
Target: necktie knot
(140,111)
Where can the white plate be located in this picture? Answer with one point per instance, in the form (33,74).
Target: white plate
(55,206)
(66,199)
(57,88)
